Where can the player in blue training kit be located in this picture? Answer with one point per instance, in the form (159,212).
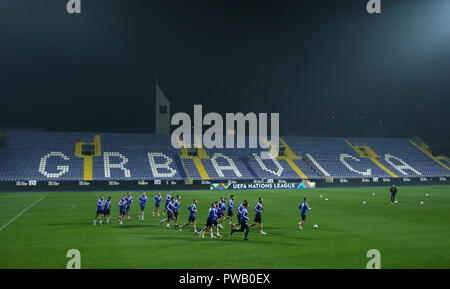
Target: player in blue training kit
(258,218)
(142,202)
(122,209)
(240,209)
(217,215)
(129,199)
(107,210)
(192,210)
(169,209)
(210,222)
(100,208)
(230,210)
(303,208)
(176,206)
(168,198)
(158,199)
(221,211)
(244,220)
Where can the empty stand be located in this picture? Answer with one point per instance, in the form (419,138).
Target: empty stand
(403,158)
(107,156)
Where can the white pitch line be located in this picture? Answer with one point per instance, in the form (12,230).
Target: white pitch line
(20,214)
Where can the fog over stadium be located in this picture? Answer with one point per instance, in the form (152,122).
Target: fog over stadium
(328,67)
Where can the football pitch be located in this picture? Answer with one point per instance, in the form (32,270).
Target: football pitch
(37,229)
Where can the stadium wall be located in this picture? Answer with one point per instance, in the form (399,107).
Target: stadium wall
(31,185)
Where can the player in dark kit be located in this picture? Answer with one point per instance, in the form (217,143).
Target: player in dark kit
(100,208)
(393,191)
(129,199)
(142,201)
(122,209)
(243,221)
(230,210)
(221,211)
(107,210)
(176,205)
(303,208)
(169,209)
(217,221)
(158,199)
(168,198)
(240,209)
(258,218)
(210,222)
(192,210)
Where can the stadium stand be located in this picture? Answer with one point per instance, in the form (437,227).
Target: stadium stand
(138,156)
(29,155)
(445,161)
(404,157)
(40,156)
(334,157)
(191,169)
(47,156)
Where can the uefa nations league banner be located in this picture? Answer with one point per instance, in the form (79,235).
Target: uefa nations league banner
(262,186)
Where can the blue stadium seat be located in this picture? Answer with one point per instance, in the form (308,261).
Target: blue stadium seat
(402,157)
(31,155)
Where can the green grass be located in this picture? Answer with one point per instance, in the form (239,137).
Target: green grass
(408,235)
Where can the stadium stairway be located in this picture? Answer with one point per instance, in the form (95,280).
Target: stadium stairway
(200,168)
(423,147)
(197,159)
(445,160)
(404,157)
(88,166)
(332,157)
(364,151)
(289,156)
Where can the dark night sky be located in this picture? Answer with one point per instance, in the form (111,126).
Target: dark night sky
(307,60)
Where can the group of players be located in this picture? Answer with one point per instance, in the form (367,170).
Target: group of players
(216,214)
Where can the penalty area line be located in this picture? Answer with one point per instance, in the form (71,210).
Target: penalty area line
(20,214)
